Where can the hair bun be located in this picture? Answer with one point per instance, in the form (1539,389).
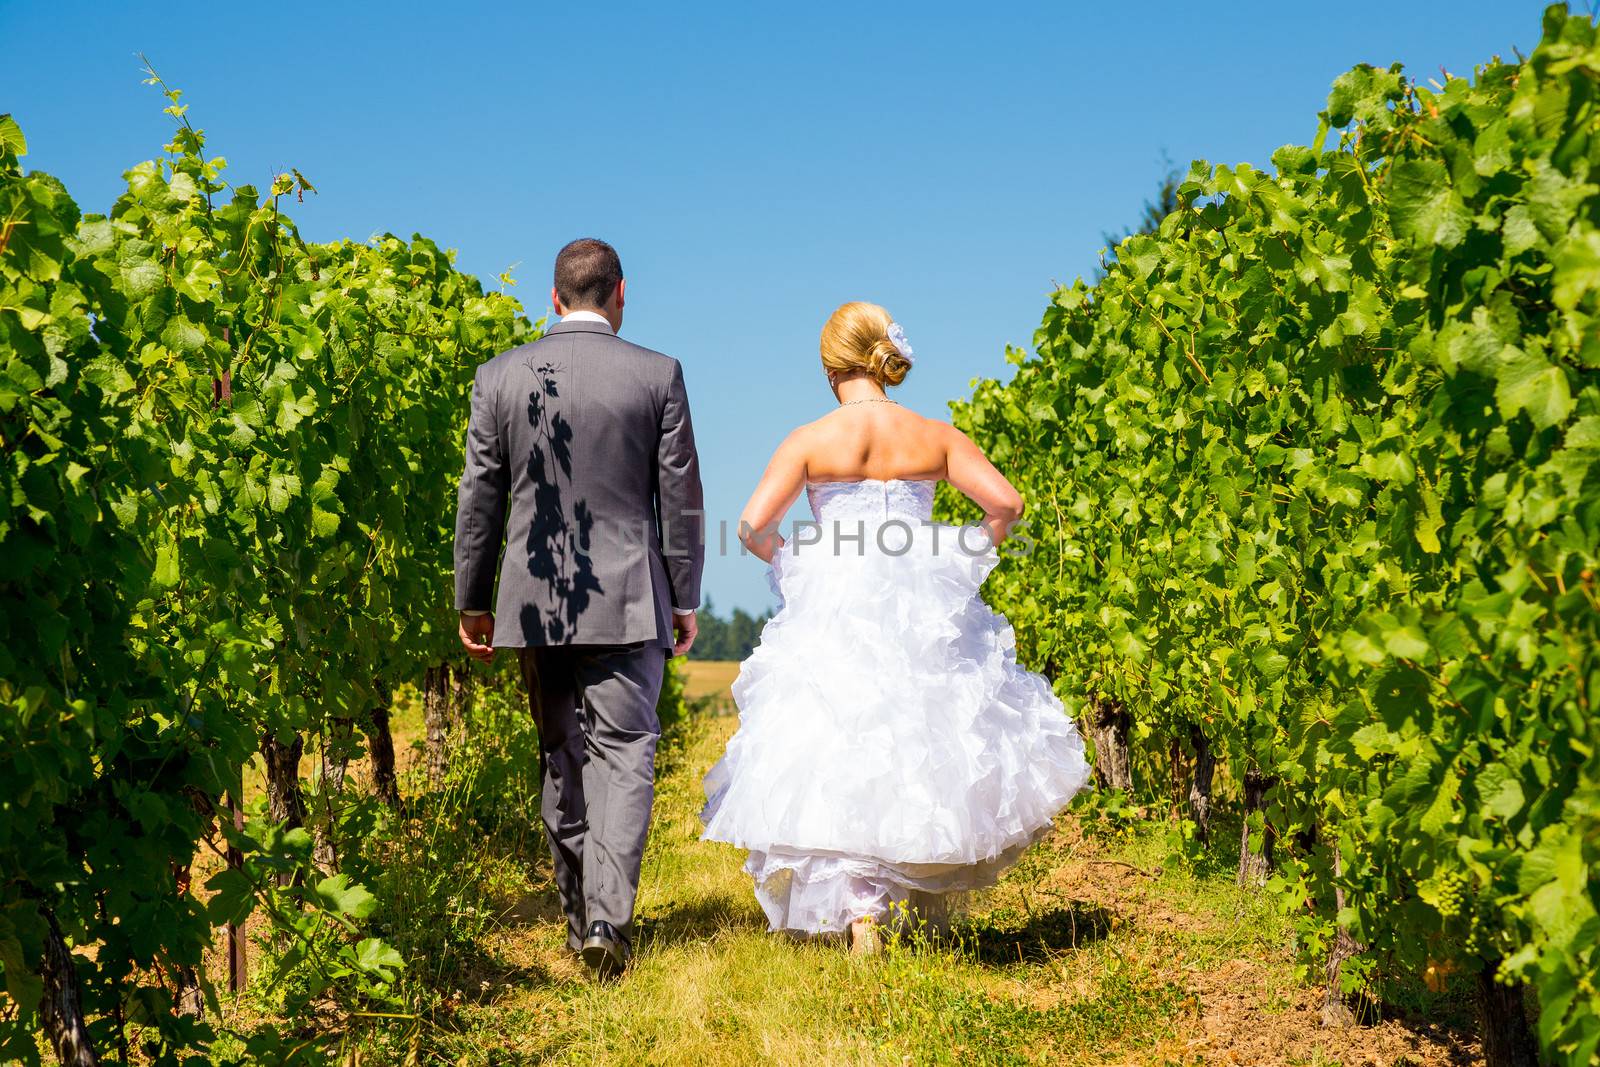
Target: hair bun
(885,363)
(855,340)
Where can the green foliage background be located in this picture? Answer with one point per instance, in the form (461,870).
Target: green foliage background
(225,503)
(1316,466)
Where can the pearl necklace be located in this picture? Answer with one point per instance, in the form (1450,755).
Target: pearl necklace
(869,400)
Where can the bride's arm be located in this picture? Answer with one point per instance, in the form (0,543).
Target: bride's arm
(775,494)
(969,470)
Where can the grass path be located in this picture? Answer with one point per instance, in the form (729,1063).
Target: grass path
(1087,953)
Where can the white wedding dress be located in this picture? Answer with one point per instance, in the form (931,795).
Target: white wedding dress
(888,742)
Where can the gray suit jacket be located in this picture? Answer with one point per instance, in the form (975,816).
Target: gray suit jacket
(588,439)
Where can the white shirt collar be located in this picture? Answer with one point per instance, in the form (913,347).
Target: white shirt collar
(586,316)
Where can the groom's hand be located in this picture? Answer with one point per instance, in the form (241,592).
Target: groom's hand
(477,635)
(687,629)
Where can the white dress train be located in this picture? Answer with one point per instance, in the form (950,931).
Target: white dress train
(889,743)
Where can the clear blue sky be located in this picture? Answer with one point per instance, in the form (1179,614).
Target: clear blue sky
(755,164)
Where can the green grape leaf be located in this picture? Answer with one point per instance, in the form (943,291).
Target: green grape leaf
(337,893)
(1532,384)
(232,897)
(1424,207)
(1577,269)
(181,335)
(23,984)
(11,139)
(1500,791)
(376,957)
(1442,811)
(166,575)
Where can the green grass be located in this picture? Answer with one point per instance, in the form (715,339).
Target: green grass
(712,987)
(1094,949)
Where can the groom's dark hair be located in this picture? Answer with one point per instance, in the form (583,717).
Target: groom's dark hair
(587,273)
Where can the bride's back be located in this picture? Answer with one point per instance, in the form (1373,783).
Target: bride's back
(870,437)
(877,441)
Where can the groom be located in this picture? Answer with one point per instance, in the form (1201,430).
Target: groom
(580,456)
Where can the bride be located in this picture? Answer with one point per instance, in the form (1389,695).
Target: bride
(890,749)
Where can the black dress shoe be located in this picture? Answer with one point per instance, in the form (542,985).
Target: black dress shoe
(605,951)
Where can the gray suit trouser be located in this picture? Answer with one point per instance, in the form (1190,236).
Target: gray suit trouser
(595,707)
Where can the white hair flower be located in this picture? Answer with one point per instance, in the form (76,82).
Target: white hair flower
(897,337)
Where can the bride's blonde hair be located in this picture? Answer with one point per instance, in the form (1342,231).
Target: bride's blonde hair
(856,338)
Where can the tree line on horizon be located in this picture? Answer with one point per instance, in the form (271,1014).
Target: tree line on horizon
(727,639)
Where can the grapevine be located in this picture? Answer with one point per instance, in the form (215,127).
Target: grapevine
(1315,470)
(227,485)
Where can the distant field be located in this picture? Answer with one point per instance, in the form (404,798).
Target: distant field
(710,678)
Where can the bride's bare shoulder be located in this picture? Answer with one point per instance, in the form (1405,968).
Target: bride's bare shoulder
(939,430)
(801,443)
(811,431)
(829,425)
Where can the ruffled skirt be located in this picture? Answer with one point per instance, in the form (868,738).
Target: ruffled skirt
(889,743)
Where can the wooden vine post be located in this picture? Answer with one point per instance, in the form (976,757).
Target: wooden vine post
(380,744)
(238,967)
(233,933)
(61,1009)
